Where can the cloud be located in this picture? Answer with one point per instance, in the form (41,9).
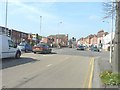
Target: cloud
(30,12)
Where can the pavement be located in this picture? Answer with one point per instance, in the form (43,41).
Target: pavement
(101,64)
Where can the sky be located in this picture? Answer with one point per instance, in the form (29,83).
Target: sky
(77,19)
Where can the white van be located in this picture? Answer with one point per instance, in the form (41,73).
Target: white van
(8,48)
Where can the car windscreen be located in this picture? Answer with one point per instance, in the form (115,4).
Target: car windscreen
(42,45)
(81,46)
(22,44)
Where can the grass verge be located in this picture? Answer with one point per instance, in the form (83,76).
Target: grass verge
(109,78)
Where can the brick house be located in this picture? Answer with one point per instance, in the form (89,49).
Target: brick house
(59,38)
(94,40)
(18,36)
(85,41)
(4,30)
(88,40)
(100,36)
(80,41)
(44,39)
(34,39)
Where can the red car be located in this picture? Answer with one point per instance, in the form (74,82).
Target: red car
(41,48)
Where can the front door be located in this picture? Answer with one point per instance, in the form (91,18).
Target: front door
(12,50)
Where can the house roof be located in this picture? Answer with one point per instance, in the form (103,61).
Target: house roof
(100,31)
(58,36)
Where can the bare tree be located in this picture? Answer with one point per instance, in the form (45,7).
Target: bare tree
(109,9)
(112,9)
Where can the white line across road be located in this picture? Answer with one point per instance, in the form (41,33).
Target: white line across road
(47,55)
(49,65)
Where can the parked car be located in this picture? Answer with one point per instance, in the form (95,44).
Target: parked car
(80,47)
(8,48)
(24,47)
(95,49)
(42,48)
(86,47)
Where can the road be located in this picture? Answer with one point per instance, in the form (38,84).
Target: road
(64,68)
(86,53)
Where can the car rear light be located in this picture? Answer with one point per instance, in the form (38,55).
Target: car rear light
(40,48)
(33,47)
(43,48)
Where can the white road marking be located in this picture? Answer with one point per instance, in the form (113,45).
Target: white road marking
(47,55)
(48,65)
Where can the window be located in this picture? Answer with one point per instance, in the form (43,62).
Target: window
(11,44)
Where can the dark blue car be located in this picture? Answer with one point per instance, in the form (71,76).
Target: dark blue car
(25,47)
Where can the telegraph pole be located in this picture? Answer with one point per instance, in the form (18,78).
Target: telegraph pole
(116,55)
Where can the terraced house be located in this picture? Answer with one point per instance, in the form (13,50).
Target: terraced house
(59,38)
(94,39)
(17,36)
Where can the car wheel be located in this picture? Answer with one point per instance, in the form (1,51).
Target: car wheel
(25,50)
(18,54)
(34,52)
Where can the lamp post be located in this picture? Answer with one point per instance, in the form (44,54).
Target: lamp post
(58,32)
(6,11)
(60,25)
(111,49)
(111,37)
(40,26)
(40,23)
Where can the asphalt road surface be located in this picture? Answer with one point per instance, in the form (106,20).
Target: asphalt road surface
(64,68)
(85,53)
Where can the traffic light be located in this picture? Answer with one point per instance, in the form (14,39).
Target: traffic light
(36,36)
(73,39)
(9,33)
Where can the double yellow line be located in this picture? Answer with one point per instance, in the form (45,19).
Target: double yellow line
(89,75)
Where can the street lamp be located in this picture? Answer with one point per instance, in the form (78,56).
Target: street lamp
(59,25)
(111,31)
(58,31)
(6,17)
(40,23)
(112,22)
(40,26)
